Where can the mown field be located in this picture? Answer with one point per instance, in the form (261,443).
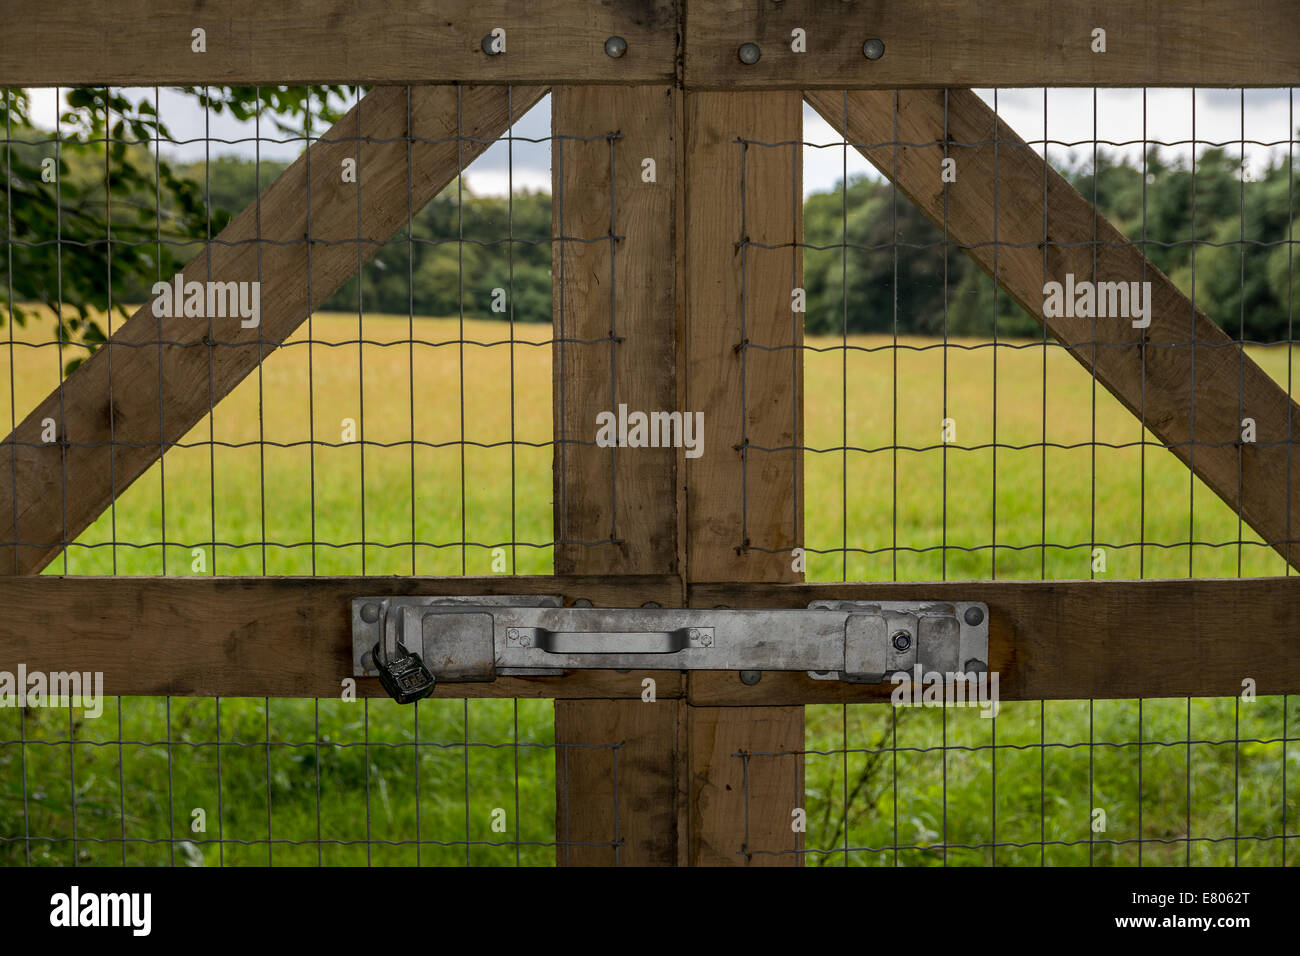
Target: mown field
(271,484)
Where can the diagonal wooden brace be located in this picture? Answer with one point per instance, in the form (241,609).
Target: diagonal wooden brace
(307,234)
(1189,382)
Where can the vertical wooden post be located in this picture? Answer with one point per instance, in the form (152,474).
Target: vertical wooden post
(744,496)
(616,511)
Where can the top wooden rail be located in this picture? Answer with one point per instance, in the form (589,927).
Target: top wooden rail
(802,44)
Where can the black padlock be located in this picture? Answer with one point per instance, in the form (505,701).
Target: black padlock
(405,677)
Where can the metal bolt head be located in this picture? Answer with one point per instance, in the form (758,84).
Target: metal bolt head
(512,633)
(873,49)
(695,634)
(902,640)
(974,616)
(615,47)
(525,640)
(749,53)
(750,678)
(706,639)
(370,613)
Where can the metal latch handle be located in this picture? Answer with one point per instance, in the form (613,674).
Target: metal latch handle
(605,642)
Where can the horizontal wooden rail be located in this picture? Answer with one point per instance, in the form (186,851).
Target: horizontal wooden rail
(290,637)
(144,42)
(1067,639)
(937,43)
(926,43)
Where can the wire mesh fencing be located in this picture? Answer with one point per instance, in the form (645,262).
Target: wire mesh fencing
(948,435)
(405,427)
(408,427)
(1159,782)
(333,456)
(275,782)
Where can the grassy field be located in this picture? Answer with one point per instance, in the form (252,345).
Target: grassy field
(271,484)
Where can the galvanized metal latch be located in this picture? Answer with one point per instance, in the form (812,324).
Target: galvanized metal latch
(461,639)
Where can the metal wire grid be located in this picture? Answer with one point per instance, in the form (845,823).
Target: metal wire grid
(289,782)
(58,780)
(1165,782)
(878,359)
(1171,782)
(362,547)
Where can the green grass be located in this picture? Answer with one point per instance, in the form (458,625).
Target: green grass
(880,514)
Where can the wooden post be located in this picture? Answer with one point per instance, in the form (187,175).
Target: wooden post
(615,508)
(744,503)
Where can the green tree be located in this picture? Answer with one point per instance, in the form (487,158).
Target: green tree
(93,216)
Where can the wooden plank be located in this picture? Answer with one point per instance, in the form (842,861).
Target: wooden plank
(744,366)
(615,317)
(1067,639)
(938,43)
(290,637)
(753,790)
(108,411)
(616,781)
(616,325)
(140,42)
(267,637)
(744,505)
(1182,374)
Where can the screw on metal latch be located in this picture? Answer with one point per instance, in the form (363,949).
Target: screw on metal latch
(512,634)
(974,616)
(873,49)
(749,53)
(615,47)
(902,640)
(370,613)
(750,678)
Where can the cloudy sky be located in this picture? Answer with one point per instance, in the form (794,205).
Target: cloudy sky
(1072,116)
